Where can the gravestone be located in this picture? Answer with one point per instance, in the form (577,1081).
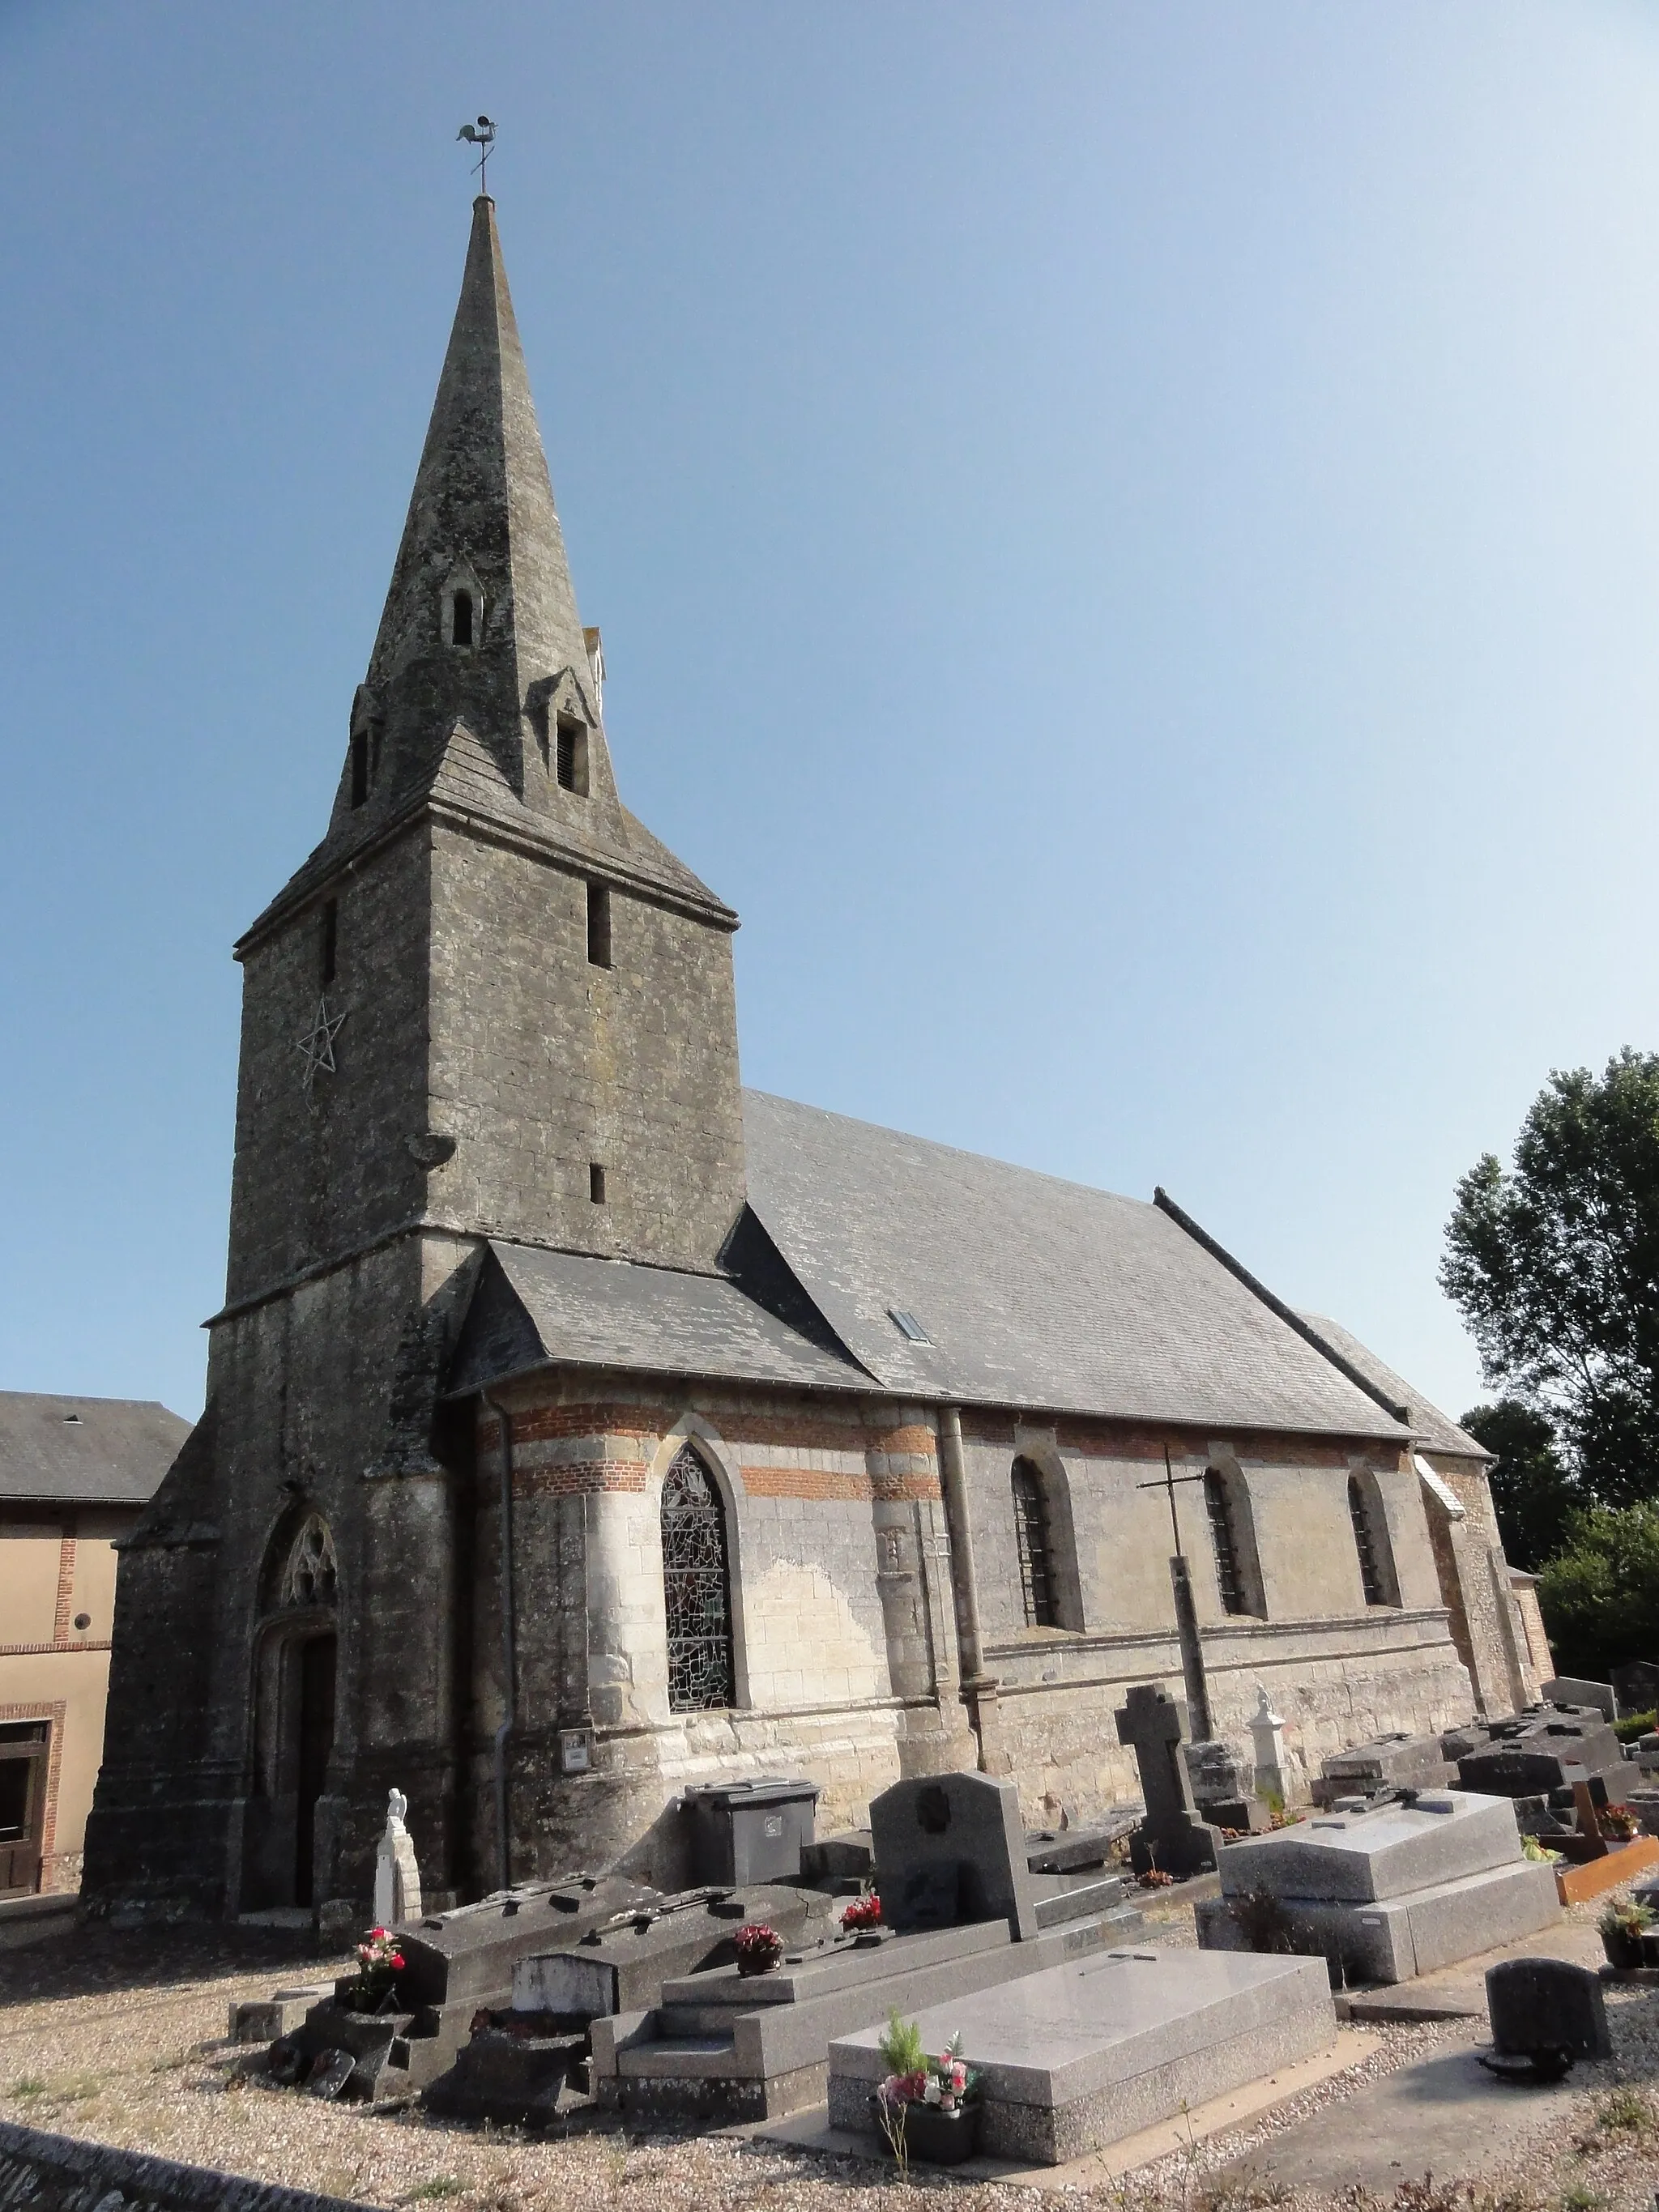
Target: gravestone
(1636,1687)
(1272,1772)
(1389,1762)
(1172,1838)
(1567,1690)
(1547,2012)
(1083,2055)
(950,1850)
(1221,1783)
(397,1876)
(1541,1753)
(1385,1894)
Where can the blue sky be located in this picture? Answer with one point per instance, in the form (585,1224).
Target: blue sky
(1127,540)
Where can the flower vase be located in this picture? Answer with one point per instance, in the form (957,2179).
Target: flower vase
(934,2135)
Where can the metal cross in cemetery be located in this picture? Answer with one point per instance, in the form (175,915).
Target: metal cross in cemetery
(1192,1651)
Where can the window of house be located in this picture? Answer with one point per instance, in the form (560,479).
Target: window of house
(599,925)
(328,936)
(571,756)
(460,619)
(596,1183)
(1371,1542)
(1031,1543)
(1224,1538)
(696,1589)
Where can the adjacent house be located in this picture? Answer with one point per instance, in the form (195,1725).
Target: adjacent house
(74,1474)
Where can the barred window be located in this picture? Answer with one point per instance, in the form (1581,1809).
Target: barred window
(1371,1544)
(1228,1582)
(1037,1579)
(697,1588)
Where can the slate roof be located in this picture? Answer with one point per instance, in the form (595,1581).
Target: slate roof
(1036,1292)
(536,1307)
(1435,1431)
(85,1450)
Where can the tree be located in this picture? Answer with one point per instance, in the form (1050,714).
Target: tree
(1555,1269)
(1534,1496)
(1599,1596)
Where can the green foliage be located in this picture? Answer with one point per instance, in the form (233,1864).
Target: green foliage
(902,2045)
(1534,1495)
(1554,1267)
(1601,1595)
(1635,1724)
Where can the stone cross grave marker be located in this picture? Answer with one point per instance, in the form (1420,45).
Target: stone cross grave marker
(949,1849)
(1171,1838)
(397,1876)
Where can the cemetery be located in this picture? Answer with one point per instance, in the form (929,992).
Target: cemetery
(1088,2012)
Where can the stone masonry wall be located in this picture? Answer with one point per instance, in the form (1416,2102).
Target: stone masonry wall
(846,1660)
(544,1063)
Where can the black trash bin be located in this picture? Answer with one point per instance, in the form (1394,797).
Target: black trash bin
(744,1831)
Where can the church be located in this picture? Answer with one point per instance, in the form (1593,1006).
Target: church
(582,1427)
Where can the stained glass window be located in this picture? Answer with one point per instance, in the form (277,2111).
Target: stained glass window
(1037,1580)
(697,1588)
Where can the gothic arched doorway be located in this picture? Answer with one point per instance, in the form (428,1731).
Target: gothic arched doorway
(295,1664)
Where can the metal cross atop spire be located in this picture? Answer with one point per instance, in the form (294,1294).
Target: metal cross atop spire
(481,134)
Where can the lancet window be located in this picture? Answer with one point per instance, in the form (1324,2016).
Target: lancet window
(1371,1542)
(1224,1539)
(696,1589)
(1032,1544)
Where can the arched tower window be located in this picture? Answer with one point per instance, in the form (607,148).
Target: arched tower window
(1035,1551)
(696,1589)
(1224,1539)
(1370,1541)
(460,620)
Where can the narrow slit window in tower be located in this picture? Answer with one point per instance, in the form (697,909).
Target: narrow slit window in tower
(1364,1542)
(599,925)
(572,756)
(1229,1583)
(696,1589)
(460,619)
(359,765)
(596,1182)
(328,942)
(1037,1580)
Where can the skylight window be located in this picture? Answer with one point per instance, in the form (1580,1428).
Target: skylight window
(908,1325)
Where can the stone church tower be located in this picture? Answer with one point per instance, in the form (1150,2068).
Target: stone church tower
(489,1005)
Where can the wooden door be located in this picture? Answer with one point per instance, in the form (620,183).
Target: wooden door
(23,1804)
(316,1741)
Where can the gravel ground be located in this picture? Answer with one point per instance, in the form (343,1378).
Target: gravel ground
(119,2038)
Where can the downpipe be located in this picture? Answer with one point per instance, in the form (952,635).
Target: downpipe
(510,1643)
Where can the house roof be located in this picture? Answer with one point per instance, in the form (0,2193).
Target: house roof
(534,1309)
(1033,1292)
(1434,1430)
(85,1450)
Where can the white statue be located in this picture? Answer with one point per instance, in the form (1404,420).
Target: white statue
(397,1876)
(1267,1738)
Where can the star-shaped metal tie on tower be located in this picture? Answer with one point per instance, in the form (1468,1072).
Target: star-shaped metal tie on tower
(318,1043)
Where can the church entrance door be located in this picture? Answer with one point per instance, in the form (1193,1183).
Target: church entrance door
(316,1741)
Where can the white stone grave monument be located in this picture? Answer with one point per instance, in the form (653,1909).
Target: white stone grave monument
(397,1874)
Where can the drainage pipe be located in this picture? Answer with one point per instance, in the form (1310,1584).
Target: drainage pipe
(509,1657)
(953,1472)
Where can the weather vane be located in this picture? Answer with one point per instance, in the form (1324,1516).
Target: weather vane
(481,134)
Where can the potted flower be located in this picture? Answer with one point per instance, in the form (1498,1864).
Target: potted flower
(863,1914)
(379,1962)
(926,2107)
(758,1947)
(1618,1823)
(1623,1925)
